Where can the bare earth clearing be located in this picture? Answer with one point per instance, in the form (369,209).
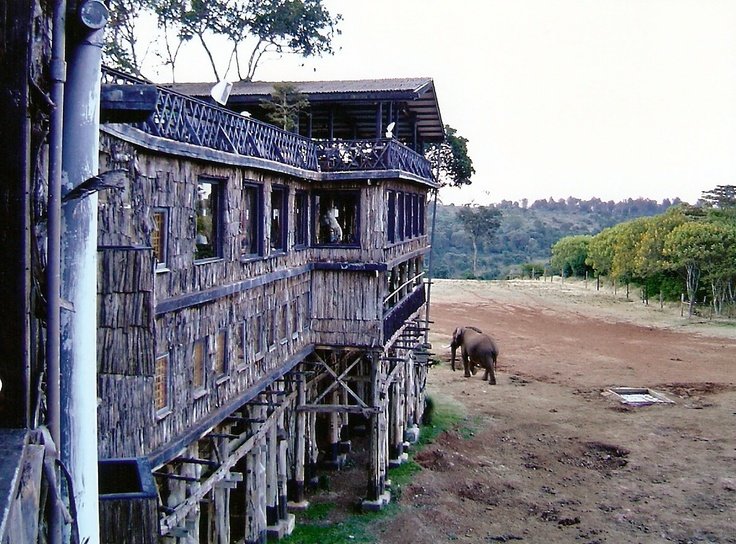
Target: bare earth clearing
(553,458)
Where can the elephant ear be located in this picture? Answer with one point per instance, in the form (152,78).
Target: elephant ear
(457,336)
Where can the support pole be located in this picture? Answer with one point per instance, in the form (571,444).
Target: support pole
(78,352)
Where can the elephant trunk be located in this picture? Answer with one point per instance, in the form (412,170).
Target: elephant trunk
(453,350)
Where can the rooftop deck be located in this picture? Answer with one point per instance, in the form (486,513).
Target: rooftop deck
(182,118)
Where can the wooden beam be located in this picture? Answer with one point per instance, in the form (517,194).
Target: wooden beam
(127,103)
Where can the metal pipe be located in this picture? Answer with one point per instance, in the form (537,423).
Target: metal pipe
(429,265)
(79,266)
(53,247)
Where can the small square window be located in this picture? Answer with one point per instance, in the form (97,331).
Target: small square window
(208,209)
(160,236)
(336,218)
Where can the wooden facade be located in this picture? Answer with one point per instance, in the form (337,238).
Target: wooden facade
(247,307)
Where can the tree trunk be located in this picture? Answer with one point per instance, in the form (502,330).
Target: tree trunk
(475,259)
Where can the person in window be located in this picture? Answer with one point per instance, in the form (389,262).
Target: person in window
(329,219)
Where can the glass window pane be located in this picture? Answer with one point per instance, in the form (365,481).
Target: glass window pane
(250,237)
(207,207)
(336,217)
(278,219)
(159,236)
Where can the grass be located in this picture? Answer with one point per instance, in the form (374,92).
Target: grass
(312,525)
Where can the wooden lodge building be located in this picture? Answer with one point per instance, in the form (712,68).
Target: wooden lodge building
(261,295)
(259,302)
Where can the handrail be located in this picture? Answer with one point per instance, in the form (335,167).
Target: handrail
(186,119)
(400,287)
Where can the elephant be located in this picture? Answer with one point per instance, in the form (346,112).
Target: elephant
(476,348)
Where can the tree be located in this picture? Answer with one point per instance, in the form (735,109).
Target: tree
(284,106)
(700,248)
(450,161)
(481,223)
(121,48)
(251,29)
(723,196)
(569,255)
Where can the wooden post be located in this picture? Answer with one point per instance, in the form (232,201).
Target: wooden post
(272,517)
(300,440)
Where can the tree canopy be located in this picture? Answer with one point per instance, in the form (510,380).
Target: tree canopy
(284,106)
(450,161)
(251,29)
(481,223)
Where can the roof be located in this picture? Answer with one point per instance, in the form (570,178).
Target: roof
(355,101)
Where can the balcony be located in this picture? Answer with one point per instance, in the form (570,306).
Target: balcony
(182,118)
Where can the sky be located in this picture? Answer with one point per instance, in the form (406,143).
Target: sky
(612,99)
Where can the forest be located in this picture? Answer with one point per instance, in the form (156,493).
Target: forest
(687,252)
(522,239)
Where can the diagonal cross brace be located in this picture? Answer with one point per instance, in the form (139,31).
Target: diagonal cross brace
(339,380)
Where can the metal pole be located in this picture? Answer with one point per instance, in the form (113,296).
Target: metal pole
(79,268)
(53,257)
(429,265)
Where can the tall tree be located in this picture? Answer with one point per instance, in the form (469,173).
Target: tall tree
(569,255)
(122,48)
(700,248)
(284,106)
(723,196)
(251,28)
(481,223)
(450,161)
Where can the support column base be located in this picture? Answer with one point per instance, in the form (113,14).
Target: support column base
(398,461)
(283,528)
(297,506)
(377,505)
(412,434)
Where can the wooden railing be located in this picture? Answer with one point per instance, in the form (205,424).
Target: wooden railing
(381,154)
(182,118)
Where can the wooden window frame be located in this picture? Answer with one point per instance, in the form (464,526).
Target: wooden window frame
(255,222)
(301,219)
(165,408)
(218,187)
(348,227)
(391,217)
(200,375)
(282,216)
(160,238)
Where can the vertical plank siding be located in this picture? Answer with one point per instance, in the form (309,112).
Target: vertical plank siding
(207,367)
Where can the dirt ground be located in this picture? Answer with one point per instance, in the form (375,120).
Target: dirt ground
(553,457)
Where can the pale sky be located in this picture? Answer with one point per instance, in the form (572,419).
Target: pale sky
(585,98)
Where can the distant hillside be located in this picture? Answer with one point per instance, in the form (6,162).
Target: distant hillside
(527,232)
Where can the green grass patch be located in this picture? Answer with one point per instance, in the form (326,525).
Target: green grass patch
(313,526)
(354,528)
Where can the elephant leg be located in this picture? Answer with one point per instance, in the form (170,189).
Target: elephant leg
(466,364)
(490,374)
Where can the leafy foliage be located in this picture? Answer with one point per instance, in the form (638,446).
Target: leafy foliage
(450,161)
(481,223)
(251,29)
(285,104)
(569,255)
(522,243)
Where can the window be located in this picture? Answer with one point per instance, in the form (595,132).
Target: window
(241,348)
(259,337)
(199,365)
(336,218)
(391,207)
(301,219)
(161,384)
(400,222)
(160,236)
(408,215)
(208,208)
(250,222)
(422,211)
(221,353)
(278,218)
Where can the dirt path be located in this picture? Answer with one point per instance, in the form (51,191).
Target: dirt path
(552,457)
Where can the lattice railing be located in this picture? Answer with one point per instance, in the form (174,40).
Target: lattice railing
(182,118)
(383,154)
